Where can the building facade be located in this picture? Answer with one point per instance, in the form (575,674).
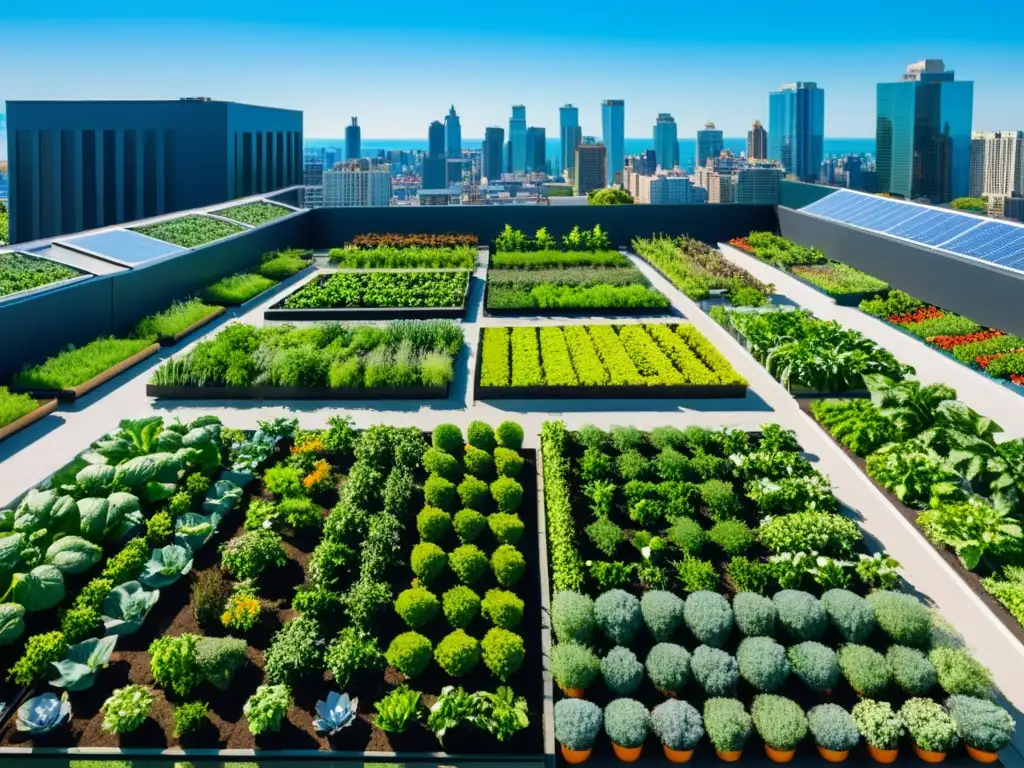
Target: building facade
(796,129)
(357,184)
(517,140)
(997,163)
(757,142)
(757,186)
(536,150)
(569,135)
(452,134)
(666,141)
(353,141)
(493,149)
(923,134)
(77,165)
(668,189)
(591,167)
(312,170)
(613,132)
(709,144)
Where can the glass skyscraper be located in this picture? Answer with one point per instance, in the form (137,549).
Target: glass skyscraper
(452,134)
(536,150)
(613,133)
(923,134)
(434,171)
(666,141)
(494,147)
(353,141)
(709,144)
(570,135)
(796,129)
(517,140)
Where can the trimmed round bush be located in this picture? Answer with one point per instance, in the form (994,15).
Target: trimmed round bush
(457,653)
(507,462)
(727,724)
(618,615)
(473,493)
(714,670)
(507,527)
(503,652)
(574,665)
(850,614)
(733,537)
(959,672)
(800,615)
(409,653)
(577,723)
(572,617)
(980,723)
(478,463)
(763,663)
(779,721)
(480,435)
(461,605)
(440,493)
(626,722)
(832,727)
(427,561)
(622,671)
(417,606)
(877,723)
(440,463)
(677,724)
(433,524)
(754,615)
(929,725)
(709,617)
(468,525)
(448,438)
(668,667)
(509,435)
(903,618)
(662,612)
(815,665)
(864,669)
(687,534)
(507,493)
(503,609)
(508,564)
(910,669)
(468,563)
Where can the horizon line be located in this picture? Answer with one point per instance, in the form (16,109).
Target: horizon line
(475,138)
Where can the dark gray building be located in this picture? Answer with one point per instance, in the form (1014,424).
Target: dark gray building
(353,141)
(536,150)
(77,165)
(494,149)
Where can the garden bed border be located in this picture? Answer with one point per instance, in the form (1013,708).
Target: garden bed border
(73,393)
(174,392)
(44,408)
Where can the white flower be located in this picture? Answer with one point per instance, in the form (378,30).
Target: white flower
(646,552)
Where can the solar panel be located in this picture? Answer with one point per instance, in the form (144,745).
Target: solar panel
(124,246)
(981,240)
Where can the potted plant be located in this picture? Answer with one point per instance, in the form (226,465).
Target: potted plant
(781,723)
(574,667)
(834,731)
(728,726)
(577,723)
(880,727)
(983,727)
(931,727)
(668,667)
(679,727)
(626,722)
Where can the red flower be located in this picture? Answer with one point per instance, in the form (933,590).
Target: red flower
(948,342)
(1017,378)
(917,316)
(742,244)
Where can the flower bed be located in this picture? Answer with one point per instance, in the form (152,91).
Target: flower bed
(848,286)
(390,240)
(19,272)
(77,371)
(390,257)
(190,231)
(602,361)
(254,214)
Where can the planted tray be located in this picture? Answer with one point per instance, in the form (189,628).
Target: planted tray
(170,341)
(294,393)
(73,393)
(841,299)
(46,407)
(668,311)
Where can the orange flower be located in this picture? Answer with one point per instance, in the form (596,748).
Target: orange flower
(320,475)
(310,445)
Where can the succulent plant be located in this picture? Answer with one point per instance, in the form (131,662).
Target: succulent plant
(43,714)
(339,711)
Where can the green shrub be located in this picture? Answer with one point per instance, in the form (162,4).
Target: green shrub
(911,670)
(626,722)
(763,663)
(668,667)
(503,609)
(353,650)
(715,670)
(507,462)
(596,466)
(173,663)
(295,652)
(433,524)
(800,615)
(80,623)
(677,724)
(468,563)
(461,605)
(284,480)
(266,708)
(480,435)
(219,658)
(440,463)
(929,725)
(457,653)
(754,615)
(732,536)
(727,723)
(850,614)
(605,535)
(663,613)
(632,465)
(473,493)
(618,615)
(719,499)
(779,721)
(40,652)
(469,524)
(673,466)
(749,575)
(159,530)
(509,435)
(980,723)
(428,560)
(507,493)
(190,717)
(960,673)
(864,669)
(250,554)
(507,527)
(903,618)
(697,575)
(503,652)
(877,723)
(624,438)
(448,438)
(829,534)
(832,727)
(417,606)
(574,665)
(439,492)
(409,653)
(577,723)
(687,535)
(815,665)
(478,463)
(572,617)
(622,671)
(709,618)
(126,709)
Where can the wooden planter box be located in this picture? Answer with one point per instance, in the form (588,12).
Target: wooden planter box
(45,408)
(73,393)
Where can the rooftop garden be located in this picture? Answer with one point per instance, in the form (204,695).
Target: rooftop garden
(20,272)
(190,231)
(373,240)
(254,214)
(382,289)
(404,257)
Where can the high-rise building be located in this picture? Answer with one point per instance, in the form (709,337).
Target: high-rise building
(517,140)
(330,157)
(78,165)
(353,141)
(709,144)
(663,189)
(923,134)
(452,134)
(356,183)
(759,186)
(434,166)
(757,142)
(997,163)
(493,150)
(570,135)
(645,163)
(312,171)
(796,129)
(852,166)
(536,150)
(613,132)
(666,141)
(591,164)
(435,139)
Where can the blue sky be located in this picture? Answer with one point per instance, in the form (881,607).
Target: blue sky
(399,64)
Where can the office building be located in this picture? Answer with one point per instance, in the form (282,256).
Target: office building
(569,135)
(536,150)
(590,166)
(452,134)
(493,149)
(997,164)
(757,142)
(666,141)
(670,189)
(709,144)
(923,134)
(719,185)
(796,129)
(436,139)
(613,132)
(517,140)
(645,164)
(454,170)
(78,165)
(852,167)
(1013,208)
(757,185)
(353,141)
(828,171)
(355,183)
(312,170)
(330,157)
(435,170)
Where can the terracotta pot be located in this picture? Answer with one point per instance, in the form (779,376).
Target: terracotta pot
(779,755)
(573,693)
(669,694)
(883,755)
(981,755)
(729,757)
(833,755)
(929,756)
(627,754)
(677,755)
(575,756)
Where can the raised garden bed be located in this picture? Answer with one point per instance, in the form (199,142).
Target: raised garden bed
(295,393)
(44,408)
(841,299)
(21,274)
(253,214)
(575,291)
(72,393)
(409,257)
(170,341)
(190,231)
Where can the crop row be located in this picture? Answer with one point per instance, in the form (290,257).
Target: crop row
(512,240)
(253,214)
(379,289)
(548,259)
(392,257)
(19,272)
(190,231)
(836,279)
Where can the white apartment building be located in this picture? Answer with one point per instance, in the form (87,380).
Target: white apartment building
(997,163)
(351,186)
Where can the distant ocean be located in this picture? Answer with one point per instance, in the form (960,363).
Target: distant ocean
(687,147)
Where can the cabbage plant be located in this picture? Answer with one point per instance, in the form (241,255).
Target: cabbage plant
(43,714)
(12,622)
(126,607)
(73,554)
(339,711)
(77,670)
(166,566)
(192,530)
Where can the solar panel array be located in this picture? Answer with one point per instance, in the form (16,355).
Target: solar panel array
(123,246)
(992,241)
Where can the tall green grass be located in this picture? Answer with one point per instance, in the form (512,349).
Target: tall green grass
(237,289)
(179,316)
(14,405)
(75,366)
(280,266)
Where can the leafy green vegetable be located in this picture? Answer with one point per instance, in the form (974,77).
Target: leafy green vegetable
(77,671)
(40,589)
(12,623)
(73,554)
(126,607)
